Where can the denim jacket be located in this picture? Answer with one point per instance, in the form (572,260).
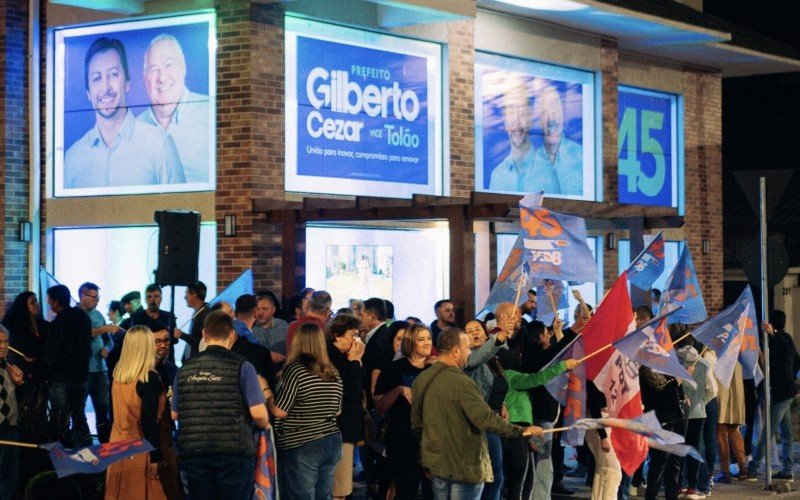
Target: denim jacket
(476,364)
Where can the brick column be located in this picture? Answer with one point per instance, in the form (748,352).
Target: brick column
(14,152)
(461,51)
(609,65)
(250,152)
(702,124)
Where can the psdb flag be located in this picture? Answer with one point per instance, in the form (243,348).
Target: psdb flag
(557,244)
(569,389)
(750,348)
(93,459)
(648,265)
(651,346)
(723,334)
(683,289)
(544,307)
(505,286)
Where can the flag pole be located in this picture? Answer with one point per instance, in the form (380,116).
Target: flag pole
(16,351)
(17,443)
(556,429)
(612,343)
(519,289)
(762,222)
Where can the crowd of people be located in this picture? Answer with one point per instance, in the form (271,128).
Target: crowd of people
(442,410)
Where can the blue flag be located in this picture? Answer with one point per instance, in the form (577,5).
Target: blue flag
(544,308)
(683,289)
(569,389)
(240,286)
(47,280)
(648,266)
(556,244)
(651,346)
(505,286)
(724,334)
(93,459)
(750,348)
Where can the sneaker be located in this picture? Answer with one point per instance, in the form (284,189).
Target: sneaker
(722,478)
(706,493)
(784,475)
(751,476)
(693,494)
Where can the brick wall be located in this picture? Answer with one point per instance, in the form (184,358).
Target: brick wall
(703,179)
(461,59)
(249,136)
(13,146)
(609,73)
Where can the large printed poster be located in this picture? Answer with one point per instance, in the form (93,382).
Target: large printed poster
(134,107)
(362,112)
(535,128)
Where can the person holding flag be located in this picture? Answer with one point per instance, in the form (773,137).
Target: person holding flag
(784,364)
(664,395)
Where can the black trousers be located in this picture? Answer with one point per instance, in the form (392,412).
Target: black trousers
(517,468)
(665,468)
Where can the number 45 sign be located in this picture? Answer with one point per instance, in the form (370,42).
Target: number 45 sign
(646,147)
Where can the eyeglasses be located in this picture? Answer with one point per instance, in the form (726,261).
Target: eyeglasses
(162,341)
(95,297)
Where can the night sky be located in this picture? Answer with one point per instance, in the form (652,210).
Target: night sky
(761,126)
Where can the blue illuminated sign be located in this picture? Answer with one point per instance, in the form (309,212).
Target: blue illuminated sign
(361,109)
(648,163)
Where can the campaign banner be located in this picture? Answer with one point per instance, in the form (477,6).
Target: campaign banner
(134,107)
(648,265)
(683,289)
(556,245)
(647,147)
(535,128)
(360,112)
(93,459)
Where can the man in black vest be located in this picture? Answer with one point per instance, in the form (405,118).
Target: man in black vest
(217,401)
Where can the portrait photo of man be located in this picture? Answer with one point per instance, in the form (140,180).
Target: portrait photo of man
(117,150)
(519,170)
(562,155)
(173,108)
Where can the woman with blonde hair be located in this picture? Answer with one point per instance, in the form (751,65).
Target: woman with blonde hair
(306,433)
(139,404)
(393,399)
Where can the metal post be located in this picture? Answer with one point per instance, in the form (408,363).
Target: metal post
(762,215)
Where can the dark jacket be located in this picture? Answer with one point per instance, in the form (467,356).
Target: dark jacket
(67,348)
(783,361)
(377,355)
(213,416)
(351,420)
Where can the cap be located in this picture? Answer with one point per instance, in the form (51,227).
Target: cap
(130,297)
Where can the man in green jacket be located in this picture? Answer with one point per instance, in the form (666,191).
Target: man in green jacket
(450,411)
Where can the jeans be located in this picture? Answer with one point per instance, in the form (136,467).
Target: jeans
(494,490)
(543,475)
(67,400)
(215,476)
(97,387)
(306,472)
(781,423)
(709,445)
(454,490)
(9,463)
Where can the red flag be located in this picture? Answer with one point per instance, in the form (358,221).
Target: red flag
(611,321)
(619,381)
(613,373)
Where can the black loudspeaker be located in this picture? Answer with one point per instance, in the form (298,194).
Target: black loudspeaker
(178,247)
